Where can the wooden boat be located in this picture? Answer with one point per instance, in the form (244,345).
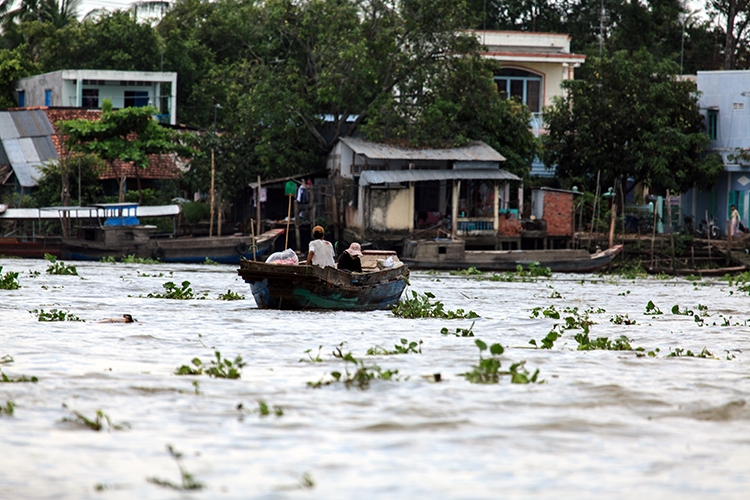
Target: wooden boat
(716,271)
(118,233)
(450,255)
(19,247)
(304,287)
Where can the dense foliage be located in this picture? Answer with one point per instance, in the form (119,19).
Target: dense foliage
(631,118)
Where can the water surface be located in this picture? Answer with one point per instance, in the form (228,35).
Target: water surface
(604,424)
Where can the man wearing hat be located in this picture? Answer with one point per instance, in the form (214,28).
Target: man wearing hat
(320,252)
(350,259)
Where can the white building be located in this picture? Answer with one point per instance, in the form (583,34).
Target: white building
(85,88)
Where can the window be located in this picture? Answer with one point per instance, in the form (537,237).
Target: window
(136,98)
(48,97)
(21,98)
(712,124)
(523,85)
(90,98)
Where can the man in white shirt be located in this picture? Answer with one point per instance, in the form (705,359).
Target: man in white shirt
(320,251)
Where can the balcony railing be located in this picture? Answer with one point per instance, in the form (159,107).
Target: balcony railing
(476,226)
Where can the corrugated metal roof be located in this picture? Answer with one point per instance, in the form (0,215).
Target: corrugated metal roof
(27,173)
(475,151)
(26,143)
(8,128)
(387,176)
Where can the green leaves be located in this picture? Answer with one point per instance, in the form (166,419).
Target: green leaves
(9,280)
(218,368)
(419,306)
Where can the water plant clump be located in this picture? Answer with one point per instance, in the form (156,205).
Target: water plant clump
(678,352)
(9,280)
(132,259)
(420,306)
(218,368)
(621,343)
(548,341)
(531,274)
(460,332)
(264,410)
(54,315)
(59,268)
(311,359)
(360,376)
(405,347)
(23,378)
(487,370)
(188,482)
(172,291)
(471,271)
(230,295)
(8,409)
(100,421)
(618,319)
(652,309)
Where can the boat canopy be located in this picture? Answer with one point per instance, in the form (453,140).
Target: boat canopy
(92,212)
(393,176)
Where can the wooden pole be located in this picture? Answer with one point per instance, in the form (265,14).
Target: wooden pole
(213,173)
(653,236)
(288,221)
(297,237)
(335,213)
(729,241)
(708,235)
(456,189)
(612,219)
(671,229)
(257,206)
(252,232)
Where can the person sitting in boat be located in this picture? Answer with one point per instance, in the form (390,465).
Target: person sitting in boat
(350,259)
(320,252)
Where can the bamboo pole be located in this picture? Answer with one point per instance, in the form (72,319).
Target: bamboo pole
(708,234)
(213,174)
(671,229)
(257,207)
(252,232)
(288,221)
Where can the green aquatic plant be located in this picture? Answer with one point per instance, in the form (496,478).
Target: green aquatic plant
(405,347)
(460,332)
(23,378)
(209,262)
(678,352)
(311,359)
(548,341)
(471,271)
(34,274)
(218,368)
(531,274)
(132,259)
(230,295)
(624,294)
(188,482)
(8,409)
(60,268)
(9,280)
(100,421)
(487,370)
(110,259)
(264,410)
(652,309)
(172,291)
(54,315)
(360,376)
(621,320)
(420,306)
(621,343)
(520,375)
(546,312)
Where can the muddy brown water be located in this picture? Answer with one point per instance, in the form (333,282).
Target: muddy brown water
(604,424)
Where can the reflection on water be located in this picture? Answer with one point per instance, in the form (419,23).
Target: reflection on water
(604,424)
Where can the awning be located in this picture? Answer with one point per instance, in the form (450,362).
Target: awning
(393,176)
(474,151)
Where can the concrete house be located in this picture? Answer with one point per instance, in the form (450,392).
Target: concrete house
(533,66)
(395,192)
(725,105)
(85,88)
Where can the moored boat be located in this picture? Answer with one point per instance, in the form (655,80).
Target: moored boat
(451,255)
(303,287)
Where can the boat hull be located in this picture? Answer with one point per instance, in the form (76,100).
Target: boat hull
(312,288)
(559,261)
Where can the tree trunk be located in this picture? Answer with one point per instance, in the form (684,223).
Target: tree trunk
(729,43)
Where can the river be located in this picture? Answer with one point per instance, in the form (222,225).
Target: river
(604,424)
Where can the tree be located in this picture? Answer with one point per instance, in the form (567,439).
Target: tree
(631,119)
(14,65)
(126,135)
